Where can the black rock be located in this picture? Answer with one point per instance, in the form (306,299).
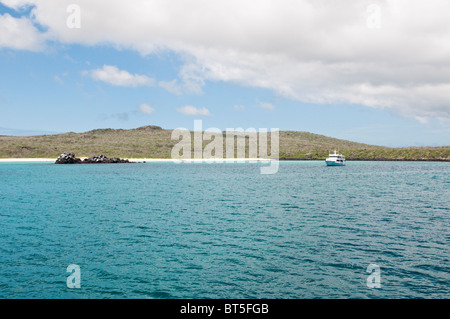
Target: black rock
(69,158)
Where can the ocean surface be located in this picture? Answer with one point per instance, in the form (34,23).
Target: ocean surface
(202,230)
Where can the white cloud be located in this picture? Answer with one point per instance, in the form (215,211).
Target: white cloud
(170,86)
(267,106)
(311,51)
(58,79)
(112,75)
(146,109)
(191,110)
(20,34)
(239,107)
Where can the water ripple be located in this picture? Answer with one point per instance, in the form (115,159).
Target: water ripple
(225,231)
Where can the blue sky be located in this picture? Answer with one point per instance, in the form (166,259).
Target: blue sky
(54,81)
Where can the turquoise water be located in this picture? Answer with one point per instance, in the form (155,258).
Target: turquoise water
(164,230)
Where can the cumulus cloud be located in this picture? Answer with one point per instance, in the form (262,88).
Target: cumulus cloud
(312,51)
(20,34)
(112,75)
(170,86)
(191,110)
(146,109)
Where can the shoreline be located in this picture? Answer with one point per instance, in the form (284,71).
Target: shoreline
(27,159)
(139,160)
(225,160)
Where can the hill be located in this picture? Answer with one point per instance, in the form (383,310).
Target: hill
(155,142)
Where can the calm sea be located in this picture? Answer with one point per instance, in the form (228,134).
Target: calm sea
(200,230)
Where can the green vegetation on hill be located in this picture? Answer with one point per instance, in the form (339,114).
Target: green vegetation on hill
(155,142)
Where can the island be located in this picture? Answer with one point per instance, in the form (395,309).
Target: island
(155,142)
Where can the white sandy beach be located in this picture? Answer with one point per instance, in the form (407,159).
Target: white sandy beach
(27,159)
(218,160)
(221,160)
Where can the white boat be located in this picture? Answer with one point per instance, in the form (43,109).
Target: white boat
(335,160)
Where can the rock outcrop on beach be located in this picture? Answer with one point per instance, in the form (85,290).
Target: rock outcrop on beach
(102,159)
(69,158)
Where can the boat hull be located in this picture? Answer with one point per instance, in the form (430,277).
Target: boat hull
(333,163)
